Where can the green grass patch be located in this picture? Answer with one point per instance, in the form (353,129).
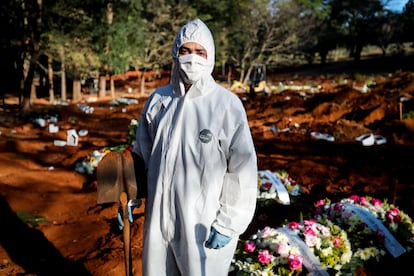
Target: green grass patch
(31,219)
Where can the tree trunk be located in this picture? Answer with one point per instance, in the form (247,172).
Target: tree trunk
(384,51)
(50,79)
(323,54)
(357,54)
(33,90)
(243,67)
(112,85)
(36,12)
(77,95)
(142,87)
(27,91)
(247,76)
(229,76)
(102,86)
(102,79)
(63,74)
(33,95)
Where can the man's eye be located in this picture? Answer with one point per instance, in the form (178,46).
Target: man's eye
(202,54)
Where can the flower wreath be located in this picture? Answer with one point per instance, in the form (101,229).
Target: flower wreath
(358,216)
(275,252)
(267,192)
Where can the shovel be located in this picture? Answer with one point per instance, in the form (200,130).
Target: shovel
(115,174)
(110,179)
(116,183)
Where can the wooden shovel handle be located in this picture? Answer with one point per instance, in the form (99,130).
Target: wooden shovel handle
(127,234)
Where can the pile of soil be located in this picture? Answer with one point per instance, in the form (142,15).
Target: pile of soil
(52,224)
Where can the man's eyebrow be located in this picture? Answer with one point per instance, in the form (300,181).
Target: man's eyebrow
(200,48)
(184,48)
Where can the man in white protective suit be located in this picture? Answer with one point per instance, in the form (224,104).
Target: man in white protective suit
(194,139)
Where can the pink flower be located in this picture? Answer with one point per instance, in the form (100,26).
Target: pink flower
(354,198)
(249,246)
(309,222)
(324,230)
(295,261)
(283,248)
(264,256)
(337,242)
(311,240)
(293,225)
(394,211)
(292,181)
(397,219)
(267,231)
(376,202)
(364,201)
(338,207)
(267,185)
(394,215)
(320,202)
(309,231)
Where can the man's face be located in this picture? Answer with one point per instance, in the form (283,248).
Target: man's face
(192,48)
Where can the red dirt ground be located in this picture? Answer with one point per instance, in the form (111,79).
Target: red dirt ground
(82,238)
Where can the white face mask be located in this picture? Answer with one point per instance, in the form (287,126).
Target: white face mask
(193,67)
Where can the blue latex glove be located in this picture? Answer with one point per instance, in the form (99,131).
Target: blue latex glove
(216,240)
(132,204)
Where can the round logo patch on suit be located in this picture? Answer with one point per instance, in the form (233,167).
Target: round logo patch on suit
(205,136)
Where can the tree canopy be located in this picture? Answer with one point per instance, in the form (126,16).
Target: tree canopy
(83,39)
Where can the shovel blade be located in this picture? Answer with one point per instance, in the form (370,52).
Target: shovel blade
(110,178)
(130,181)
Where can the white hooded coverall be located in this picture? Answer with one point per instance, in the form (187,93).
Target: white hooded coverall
(202,170)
